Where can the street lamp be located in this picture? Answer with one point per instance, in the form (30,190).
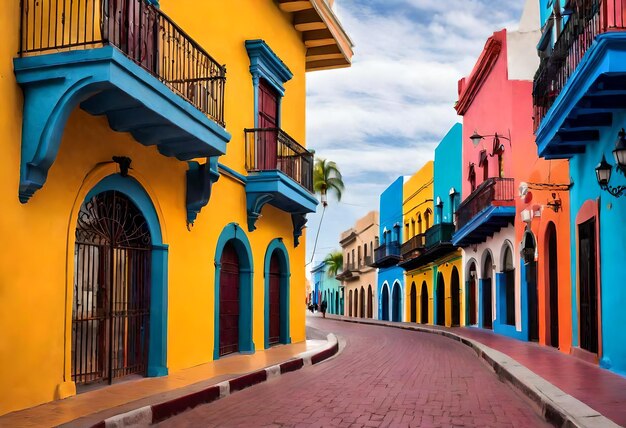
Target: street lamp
(497,147)
(604,169)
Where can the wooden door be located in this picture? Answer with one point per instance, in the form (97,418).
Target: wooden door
(268,121)
(441,301)
(487,310)
(229,300)
(588,298)
(455,297)
(413,303)
(274,300)
(424,304)
(553,283)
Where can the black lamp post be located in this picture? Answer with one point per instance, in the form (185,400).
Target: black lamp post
(604,169)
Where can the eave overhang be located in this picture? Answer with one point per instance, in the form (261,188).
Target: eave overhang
(327,44)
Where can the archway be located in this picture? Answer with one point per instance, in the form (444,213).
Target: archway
(588,289)
(112,288)
(441,300)
(385,303)
(472,291)
(233,293)
(336,312)
(356,302)
(424,304)
(413,303)
(370,299)
(396,311)
(530,267)
(362,303)
(508,288)
(486,301)
(350,303)
(455,295)
(552,306)
(277,275)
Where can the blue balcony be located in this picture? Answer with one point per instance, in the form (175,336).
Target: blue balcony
(123,59)
(488,209)
(280,173)
(580,82)
(386,255)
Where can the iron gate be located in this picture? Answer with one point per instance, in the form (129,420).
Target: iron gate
(111,305)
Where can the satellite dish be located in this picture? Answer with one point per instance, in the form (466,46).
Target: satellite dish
(523,189)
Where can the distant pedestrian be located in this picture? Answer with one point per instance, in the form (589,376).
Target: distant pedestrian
(311,307)
(323,307)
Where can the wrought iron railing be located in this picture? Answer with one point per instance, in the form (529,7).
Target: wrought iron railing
(439,233)
(141,31)
(413,246)
(589,19)
(494,191)
(388,249)
(272,149)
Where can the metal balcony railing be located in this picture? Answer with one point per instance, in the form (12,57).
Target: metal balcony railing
(388,249)
(273,149)
(589,19)
(412,247)
(439,233)
(494,191)
(141,31)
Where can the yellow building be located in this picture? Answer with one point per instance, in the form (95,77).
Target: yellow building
(155,184)
(417,212)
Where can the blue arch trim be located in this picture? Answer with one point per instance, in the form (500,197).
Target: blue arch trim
(157,351)
(236,235)
(277,245)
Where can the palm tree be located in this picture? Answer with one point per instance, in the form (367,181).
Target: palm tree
(334,263)
(327,178)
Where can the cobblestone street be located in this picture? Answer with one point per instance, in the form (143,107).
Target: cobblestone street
(383,377)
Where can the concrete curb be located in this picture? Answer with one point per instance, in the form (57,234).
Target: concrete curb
(557,407)
(155,413)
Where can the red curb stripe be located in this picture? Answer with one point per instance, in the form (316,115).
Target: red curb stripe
(291,366)
(325,354)
(170,408)
(245,381)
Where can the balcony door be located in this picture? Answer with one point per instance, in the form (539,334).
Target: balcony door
(268,120)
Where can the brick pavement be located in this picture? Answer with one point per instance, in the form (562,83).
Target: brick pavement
(384,377)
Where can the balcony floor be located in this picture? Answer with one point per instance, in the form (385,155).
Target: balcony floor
(103,81)
(484,224)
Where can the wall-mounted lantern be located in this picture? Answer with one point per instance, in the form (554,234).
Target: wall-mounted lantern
(604,169)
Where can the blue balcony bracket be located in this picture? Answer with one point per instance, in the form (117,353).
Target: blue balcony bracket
(200,178)
(254,204)
(299,221)
(103,81)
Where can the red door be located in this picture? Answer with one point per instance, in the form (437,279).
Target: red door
(229,301)
(268,120)
(274,299)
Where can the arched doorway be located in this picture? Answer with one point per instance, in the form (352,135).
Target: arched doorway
(370,299)
(508,288)
(472,291)
(356,302)
(362,303)
(112,284)
(274,300)
(552,307)
(455,295)
(588,289)
(336,303)
(424,304)
(396,314)
(229,300)
(385,303)
(486,301)
(413,303)
(441,300)
(530,267)
(350,303)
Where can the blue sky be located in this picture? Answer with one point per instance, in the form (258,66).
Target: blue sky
(383,117)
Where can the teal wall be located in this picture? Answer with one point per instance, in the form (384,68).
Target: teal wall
(329,289)
(448,173)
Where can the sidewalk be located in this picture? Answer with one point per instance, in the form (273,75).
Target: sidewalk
(600,389)
(93,407)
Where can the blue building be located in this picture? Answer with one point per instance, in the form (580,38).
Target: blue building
(387,255)
(579,99)
(327,288)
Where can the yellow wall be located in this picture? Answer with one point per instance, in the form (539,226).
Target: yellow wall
(419,276)
(445,266)
(35,343)
(418,199)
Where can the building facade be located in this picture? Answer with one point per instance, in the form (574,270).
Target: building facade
(579,113)
(169,195)
(417,218)
(358,277)
(327,288)
(387,254)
